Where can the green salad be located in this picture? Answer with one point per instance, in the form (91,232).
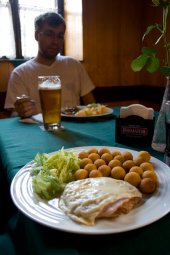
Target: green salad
(51,173)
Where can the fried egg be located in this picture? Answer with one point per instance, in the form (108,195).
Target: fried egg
(86,200)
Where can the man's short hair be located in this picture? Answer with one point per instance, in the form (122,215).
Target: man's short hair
(53,19)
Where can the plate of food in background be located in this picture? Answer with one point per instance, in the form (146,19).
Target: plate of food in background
(86,112)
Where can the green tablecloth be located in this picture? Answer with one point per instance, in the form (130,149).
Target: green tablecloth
(19,143)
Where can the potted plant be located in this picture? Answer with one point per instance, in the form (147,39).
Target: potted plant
(148,60)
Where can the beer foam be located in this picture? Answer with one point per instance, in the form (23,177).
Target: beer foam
(50,85)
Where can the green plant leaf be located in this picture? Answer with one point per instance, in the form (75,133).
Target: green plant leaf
(152,64)
(165,70)
(138,63)
(148,58)
(148,51)
(156,2)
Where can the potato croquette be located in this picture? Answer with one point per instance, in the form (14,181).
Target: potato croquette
(90,167)
(99,162)
(136,169)
(127,155)
(93,156)
(105,170)
(107,157)
(120,158)
(114,162)
(138,161)
(128,164)
(95,173)
(103,150)
(133,178)
(92,150)
(81,174)
(147,186)
(118,173)
(84,162)
(145,155)
(83,154)
(147,166)
(115,153)
(150,174)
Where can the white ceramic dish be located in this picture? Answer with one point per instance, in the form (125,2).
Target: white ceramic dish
(39,119)
(109,111)
(152,209)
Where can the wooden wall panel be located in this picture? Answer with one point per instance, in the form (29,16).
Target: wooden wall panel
(112,34)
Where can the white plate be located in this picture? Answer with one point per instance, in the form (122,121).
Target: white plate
(37,118)
(109,111)
(153,207)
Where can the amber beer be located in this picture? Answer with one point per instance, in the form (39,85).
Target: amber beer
(50,99)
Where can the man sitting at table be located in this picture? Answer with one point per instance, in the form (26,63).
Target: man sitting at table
(22,95)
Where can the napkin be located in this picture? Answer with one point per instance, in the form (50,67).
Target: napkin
(137,109)
(38,117)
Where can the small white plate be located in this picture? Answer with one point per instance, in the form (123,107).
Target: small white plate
(109,111)
(47,213)
(37,118)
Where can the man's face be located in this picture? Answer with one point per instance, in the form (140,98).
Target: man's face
(50,40)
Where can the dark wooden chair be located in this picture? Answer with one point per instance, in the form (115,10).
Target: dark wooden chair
(6,68)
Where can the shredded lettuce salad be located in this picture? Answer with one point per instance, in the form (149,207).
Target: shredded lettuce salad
(51,173)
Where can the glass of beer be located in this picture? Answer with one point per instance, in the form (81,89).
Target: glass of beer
(50,98)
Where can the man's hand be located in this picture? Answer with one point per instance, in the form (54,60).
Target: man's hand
(25,106)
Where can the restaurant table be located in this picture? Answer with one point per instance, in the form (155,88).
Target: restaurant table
(19,234)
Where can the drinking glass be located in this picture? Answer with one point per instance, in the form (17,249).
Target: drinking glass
(50,98)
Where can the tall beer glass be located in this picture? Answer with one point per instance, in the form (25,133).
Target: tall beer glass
(50,99)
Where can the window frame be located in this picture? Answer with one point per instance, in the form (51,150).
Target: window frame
(18,41)
(17,24)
